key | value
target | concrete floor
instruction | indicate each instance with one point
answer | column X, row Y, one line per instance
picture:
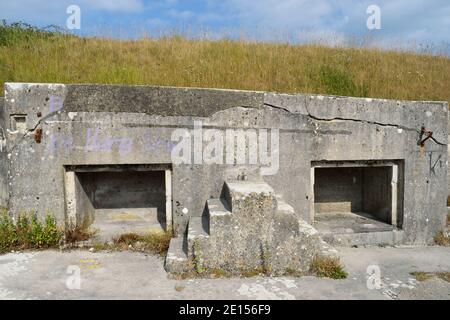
column 111, row 223
column 348, row 222
column 128, row 275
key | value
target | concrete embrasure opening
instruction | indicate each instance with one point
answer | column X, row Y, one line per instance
column 19, row 122
column 120, row 199
column 356, row 197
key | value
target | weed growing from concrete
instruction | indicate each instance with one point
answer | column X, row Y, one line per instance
column 442, row 239
column 154, row 242
column 328, row 267
column 424, row 276
column 421, row 276
column 78, row 234
column 28, row 232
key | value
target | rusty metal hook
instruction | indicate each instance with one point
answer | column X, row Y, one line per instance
column 429, row 135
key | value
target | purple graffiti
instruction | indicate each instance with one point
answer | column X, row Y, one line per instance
column 106, row 144
column 153, row 143
column 59, row 141
column 94, row 142
column 55, row 104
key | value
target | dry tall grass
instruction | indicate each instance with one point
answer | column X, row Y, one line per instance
column 177, row 61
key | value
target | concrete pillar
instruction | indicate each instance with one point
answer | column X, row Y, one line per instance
column 394, row 188
column 70, row 199
column 168, row 181
column 311, row 197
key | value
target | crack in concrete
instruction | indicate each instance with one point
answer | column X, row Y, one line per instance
column 310, row 115
column 28, row 132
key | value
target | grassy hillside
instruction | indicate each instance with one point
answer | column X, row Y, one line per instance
column 31, row 55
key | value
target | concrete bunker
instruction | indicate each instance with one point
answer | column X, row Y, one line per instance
column 119, row 199
column 357, row 196
column 101, row 129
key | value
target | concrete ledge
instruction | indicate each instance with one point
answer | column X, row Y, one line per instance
column 389, row 238
column 176, row 259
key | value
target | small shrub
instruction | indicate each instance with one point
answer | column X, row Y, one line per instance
column 328, row 267
column 442, row 240
column 28, row 232
column 35, row 232
column 157, row 242
column 8, row 235
column 127, row 239
column 77, row 234
column 51, row 235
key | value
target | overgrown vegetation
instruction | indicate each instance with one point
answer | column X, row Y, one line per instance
column 28, row 232
column 155, row 242
column 78, row 234
column 442, row 239
column 328, row 267
column 424, row 276
column 15, row 32
column 28, row 54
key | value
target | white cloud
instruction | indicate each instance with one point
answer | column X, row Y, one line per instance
column 185, row 14
column 402, row 20
column 421, row 21
column 50, row 12
column 116, row 5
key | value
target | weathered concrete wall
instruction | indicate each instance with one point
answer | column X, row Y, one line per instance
column 3, row 157
column 83, row 125
column 448, row 156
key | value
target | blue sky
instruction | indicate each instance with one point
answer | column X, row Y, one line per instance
column 407, row 23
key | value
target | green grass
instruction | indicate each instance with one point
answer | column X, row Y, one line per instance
column 28, row 232
column 31, row 55
column 328, row 267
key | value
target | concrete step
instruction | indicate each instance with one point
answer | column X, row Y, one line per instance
column 381, row 238
column 198, row 230
column 176, row 258
column 235, row 191
column 218, row 215
column 285, row 208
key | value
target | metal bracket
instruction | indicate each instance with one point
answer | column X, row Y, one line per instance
column 424, row 132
